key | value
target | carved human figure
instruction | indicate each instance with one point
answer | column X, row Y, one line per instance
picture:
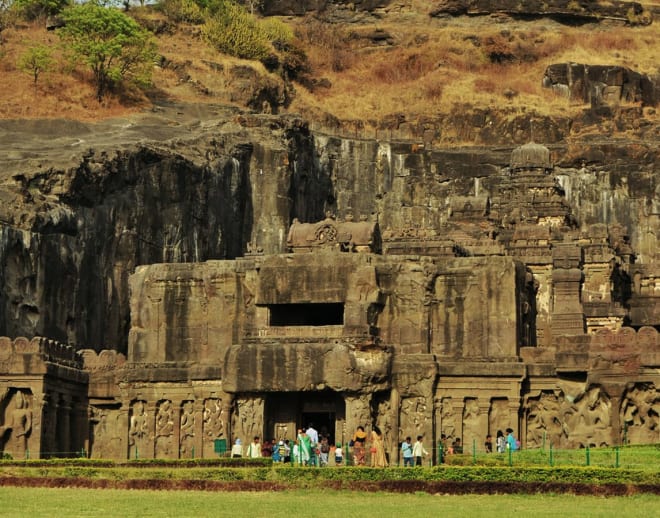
column 164, row 429
column 187, row 437
column 138, row 429
column 384, row 423
column 250, row 417
column 543, row 420
column 214, row 427
column 586, row 422
column 98, row 428
column 19, row 426
column 640, row 410
column 413, row 416
column 448, row 418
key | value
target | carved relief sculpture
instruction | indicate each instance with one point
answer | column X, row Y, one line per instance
column 164, row 430
column 187, row 436
column 138, row 439
column 214, row 427
column 18, row 426
column 640, row 412
column 543, row 424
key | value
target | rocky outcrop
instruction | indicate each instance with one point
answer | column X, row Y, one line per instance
column 88, row 204
column 293, row 8
column 570, row 12
column 76, row 223
column 601, row 85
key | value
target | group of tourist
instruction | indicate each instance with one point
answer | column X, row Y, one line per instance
column 508, row 443
column 311, row 448
column 413, row 453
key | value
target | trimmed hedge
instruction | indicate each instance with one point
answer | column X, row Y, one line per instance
column 313, row 477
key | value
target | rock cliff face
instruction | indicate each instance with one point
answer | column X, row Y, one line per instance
column 79, row 214
column 431, row 290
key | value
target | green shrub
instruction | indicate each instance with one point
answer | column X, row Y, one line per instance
column 36, row 9
column 276, row 30
column 187, row 11
column 234, row 31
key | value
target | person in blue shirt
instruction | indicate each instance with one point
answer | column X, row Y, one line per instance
column 511, row 443
column 407, row 452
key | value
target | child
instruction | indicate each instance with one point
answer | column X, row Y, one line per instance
column 488, row 445
column 339, row 455
column 285, row 451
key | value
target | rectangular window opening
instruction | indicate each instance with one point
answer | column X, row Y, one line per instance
column 321, row 314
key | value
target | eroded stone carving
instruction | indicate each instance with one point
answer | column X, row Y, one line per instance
column 248, row 418
column 187, row 431
column 17, row 427
column 640, row 411
column 587, row 420
column 138, row 433
column 544, row 426
column 214, row 423
column 165, row 429
column 500, row 417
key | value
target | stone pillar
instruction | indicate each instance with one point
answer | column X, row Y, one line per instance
column 227, row 405
column 437, row 427
column 123, row 426
column 514, row 411
column 484, row 412
column 64, row 428
column 457, row 409
column 395, row 440
column 616, row 426
column 177, row 408
column 567, row 312
column 50, row 432
column 81, row 427
column 39, row 425
column 198, row 443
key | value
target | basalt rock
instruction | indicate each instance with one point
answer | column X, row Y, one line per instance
column 249, row 275
column 569, row 12
column 602, row 85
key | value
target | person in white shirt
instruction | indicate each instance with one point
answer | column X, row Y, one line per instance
column 313, row 435
column 254, row 449
column 237, row 449
column 419, row 451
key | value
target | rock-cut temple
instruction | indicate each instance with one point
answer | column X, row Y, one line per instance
column 509, row 316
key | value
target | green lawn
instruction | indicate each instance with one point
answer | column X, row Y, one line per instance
column 38, row 502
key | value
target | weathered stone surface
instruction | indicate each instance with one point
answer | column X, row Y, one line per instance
column 576, row 12
column 510, row 290
column 601, row 84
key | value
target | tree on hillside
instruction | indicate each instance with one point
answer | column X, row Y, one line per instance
column 35, row 60
column 6, row 15
column 110, row 42
column 36, row 9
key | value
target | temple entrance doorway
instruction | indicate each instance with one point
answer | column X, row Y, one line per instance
column 287, row 412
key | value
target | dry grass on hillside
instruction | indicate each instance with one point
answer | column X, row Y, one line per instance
column 425, row 67
column 59, row 92
column 431, row 69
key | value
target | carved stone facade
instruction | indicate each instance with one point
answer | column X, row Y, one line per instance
column 506, row 315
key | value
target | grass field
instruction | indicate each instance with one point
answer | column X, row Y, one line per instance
column 21, row 502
